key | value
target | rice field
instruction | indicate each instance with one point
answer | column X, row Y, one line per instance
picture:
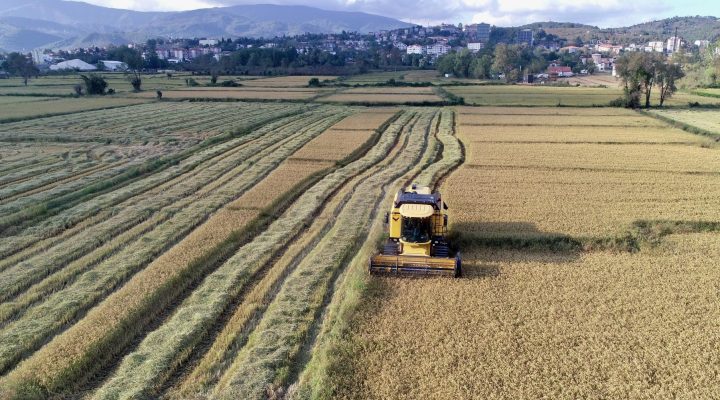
column 218, row 249
column 589, row 261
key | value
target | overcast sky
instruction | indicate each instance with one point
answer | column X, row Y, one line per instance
column 604, row 13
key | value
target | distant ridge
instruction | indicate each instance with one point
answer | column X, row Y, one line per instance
column 689, row 28
column 25, row 25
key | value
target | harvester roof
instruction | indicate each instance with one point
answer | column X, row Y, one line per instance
column 416, row 210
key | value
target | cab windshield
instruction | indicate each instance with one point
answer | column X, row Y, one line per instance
column 416, row 230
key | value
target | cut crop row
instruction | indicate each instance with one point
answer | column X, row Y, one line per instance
column 162, row 350
column 106, row 330
column 43, row 319
column 272, row 350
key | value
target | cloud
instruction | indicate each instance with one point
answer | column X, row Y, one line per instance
column 498, row 12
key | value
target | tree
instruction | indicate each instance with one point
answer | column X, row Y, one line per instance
column 134, row 61
column 481, row 67
column 506, row 61
column 19, row 65
column 94, row 84
column 667, row 75
column 626, row 70
column 314, row 82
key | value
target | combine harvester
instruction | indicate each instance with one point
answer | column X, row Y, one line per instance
column 417, row 243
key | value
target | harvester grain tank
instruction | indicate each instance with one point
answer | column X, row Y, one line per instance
column 417, row 242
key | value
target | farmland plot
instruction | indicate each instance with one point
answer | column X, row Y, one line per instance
column 130, row 271
column 588, row 274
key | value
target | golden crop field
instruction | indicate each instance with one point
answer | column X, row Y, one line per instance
column 588, row 255
column 525, row 324
column 198, row 248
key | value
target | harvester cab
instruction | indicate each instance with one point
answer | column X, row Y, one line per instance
column 417, row 242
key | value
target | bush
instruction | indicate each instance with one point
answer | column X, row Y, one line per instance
column 111, row 91
column 229, row 83
column 136, row 83
column 191, row 82
column 94, row 84
column 159, row 94
column 78, row 90
column 314, row 82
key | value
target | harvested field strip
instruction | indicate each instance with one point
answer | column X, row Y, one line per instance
column 26, row 273
column 238, row 327
column 333, row 145
column 234, row 94
column 133, row 174
column 274, row 345
column 451, row 151
column 151, row 291
column 365, row 120
column 149, row 184
column 319, row 378
column 162, row 349
column 41, row 185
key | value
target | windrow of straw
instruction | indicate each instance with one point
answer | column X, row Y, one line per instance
column 156, row 285
column 148, row 366
column 273, row 347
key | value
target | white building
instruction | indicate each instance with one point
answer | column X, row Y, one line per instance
column 39, row 57
column 75, row 64
column 415, row 49
column 674, row 44
column 656, row 46
column 114, row 65
column 475, row 47
column 438, row 49
column 703, row 44
column 400, row 46
column 209, row 42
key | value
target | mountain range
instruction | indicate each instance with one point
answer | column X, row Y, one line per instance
column 29, row 24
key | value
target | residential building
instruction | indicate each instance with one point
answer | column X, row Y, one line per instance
column 571, row 49
column 483, row 32
column 39, row 57
column 398, row 45
column 525, row 36
column 560, row 71
column 415, row 49
column 179, row 54
column 596, row 57
column 674, row 44
column 209, row 42
column 475, row 47
column 438, row 49
column 657, row 46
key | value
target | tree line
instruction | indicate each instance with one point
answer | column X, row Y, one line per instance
column 641, row 72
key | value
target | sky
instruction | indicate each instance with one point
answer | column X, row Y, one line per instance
column 603, row 13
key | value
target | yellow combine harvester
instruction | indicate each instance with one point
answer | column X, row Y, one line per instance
column 418, row 236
